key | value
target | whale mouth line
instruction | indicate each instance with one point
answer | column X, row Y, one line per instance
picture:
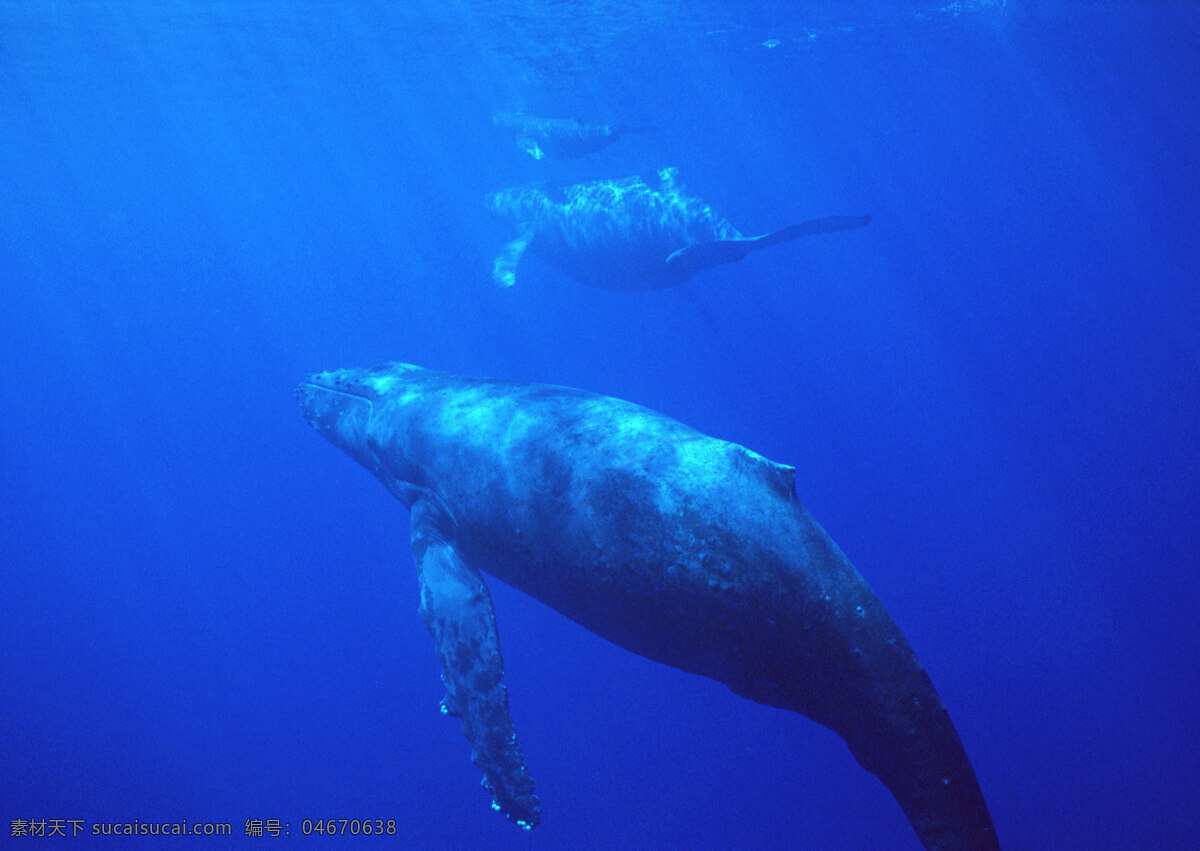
column 308, row 391
column 330, row 388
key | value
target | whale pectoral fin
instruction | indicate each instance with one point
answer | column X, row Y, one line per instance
column 457, row 611
column 691, row 259
column 530, row 147
column 504, row 269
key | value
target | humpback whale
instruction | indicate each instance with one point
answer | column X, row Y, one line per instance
column 680, row 547
column 628, row 235
column 561, row 138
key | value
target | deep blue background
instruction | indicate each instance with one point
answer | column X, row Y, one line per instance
column 991, row 395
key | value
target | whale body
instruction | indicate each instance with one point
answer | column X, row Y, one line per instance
column 680, row 547
column 561, row 138
column 628, row 234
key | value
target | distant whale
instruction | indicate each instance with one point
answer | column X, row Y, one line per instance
column 677, row 546
column 561, row 138
column 628, row 235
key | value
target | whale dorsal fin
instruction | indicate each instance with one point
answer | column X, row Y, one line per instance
column 666, row 179
column 691, row 259
column 779, row 477
column 504, row 269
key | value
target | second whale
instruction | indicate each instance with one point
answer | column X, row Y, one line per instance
column 628, row 235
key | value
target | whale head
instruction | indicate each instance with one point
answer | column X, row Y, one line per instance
column 346, row 405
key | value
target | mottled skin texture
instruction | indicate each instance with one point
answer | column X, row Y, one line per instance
column 561, row 138
column 679, row 547
column 628, row 234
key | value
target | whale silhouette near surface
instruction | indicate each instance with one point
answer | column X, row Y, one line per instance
column 561, row 138
column 628, row 234
column 680, row 547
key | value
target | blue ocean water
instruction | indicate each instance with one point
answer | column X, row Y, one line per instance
column 990, row 395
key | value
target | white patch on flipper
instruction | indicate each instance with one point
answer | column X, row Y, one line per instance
column 504, row 269
column 531, row 147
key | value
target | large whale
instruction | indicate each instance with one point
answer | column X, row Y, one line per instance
column 561, row 138
column 677, row 546
column 627, row 234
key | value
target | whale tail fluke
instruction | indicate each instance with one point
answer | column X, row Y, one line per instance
column 810, row 228
column 705, row 255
